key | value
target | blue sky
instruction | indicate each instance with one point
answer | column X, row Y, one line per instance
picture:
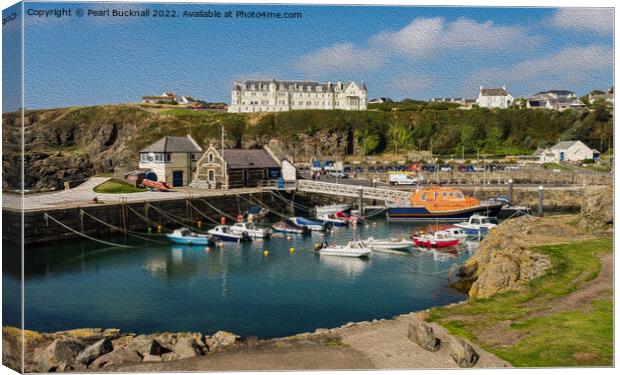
column 399, row 52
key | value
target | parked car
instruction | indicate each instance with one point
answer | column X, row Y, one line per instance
column 347, row 169
column 372, row 169
column 462, row 168
column 336, row 174
column 402, row 179
column 359, row 169
column 381, row 169
column 445, row 168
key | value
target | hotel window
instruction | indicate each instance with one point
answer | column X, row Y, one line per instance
column 211, row 175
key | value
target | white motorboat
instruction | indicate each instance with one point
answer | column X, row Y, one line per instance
column 330, row 209
column 313, row 225
column 458, row 233
column 477, row 226
column 223, row 233
column 377, row 244
column 331, row 219
column 185, row 236
column 354, row 249
column 251, row 229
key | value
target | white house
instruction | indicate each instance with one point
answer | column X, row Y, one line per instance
column 554, row 104
column 279, row 96
column 494, row 98
column 555, row 94
column 173, row 159
column 380, row 100
column 565, row 152
column 166, row 97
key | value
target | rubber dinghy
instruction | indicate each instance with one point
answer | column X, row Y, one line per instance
column 377, row 244
column 354, row 249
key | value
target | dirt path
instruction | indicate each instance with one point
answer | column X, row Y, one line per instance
column 587, row 292
column 378, row 345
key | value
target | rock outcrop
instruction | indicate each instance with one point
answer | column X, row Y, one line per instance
column 462, row 352
column 597, row 210
column 83, row 349
column 422, row 334
column 504, row 260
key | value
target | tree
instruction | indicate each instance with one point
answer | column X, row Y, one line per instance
column 368, row 140
column 400, row 136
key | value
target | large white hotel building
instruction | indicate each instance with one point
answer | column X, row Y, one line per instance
column 279, row 96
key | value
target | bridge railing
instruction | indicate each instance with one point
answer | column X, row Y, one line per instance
column 355, row 191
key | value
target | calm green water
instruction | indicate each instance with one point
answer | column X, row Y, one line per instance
column 164, row 287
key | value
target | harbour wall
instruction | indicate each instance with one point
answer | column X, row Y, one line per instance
column 42, row 229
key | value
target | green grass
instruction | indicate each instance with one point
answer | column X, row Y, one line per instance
column 114, row 186
column 556, row 166
column 181, row 112
column 550, row 340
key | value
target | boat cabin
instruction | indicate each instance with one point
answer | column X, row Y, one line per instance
column 437, row 198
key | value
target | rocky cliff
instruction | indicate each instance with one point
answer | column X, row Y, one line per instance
column 507, row 260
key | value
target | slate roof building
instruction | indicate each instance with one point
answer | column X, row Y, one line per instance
column 279, row 96
column 567, row 151
column 235, row 168
column 173, row 159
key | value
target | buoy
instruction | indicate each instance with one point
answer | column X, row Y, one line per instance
column 199, row 224
column 266, row 252
column 158, row 228
column 223, row 220
column 292, row 249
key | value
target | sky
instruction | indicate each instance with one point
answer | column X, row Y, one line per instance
column 399, row 52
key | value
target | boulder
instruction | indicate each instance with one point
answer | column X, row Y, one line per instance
column 115, row 357
column 147, row 345
column 93, row 351
column 597, row 209
column 463, row 353
column 182, row 345
column 59, row 355
column 221, row 339
column 422, row 334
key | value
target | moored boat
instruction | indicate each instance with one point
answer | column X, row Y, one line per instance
column 256, row 212
column 185, row 236
column 287, row 226
column 313, row 225
column 331, row 219
column 445, row 204
column 251, row 229
column 376, row 244
column 354, row 249
column 477, row 226
column 223, row 233
column 436, row 240
column 330, row 209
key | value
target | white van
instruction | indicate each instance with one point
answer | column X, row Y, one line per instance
column 401, row 179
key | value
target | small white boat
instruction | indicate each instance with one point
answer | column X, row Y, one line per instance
column 251, row 229
column 376, row 244
column 330, row 209
column 331, row 219
column 477, row 226
column 187, row 237
column 223, row 233
column 354, row 249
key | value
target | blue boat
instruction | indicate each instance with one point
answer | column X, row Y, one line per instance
column 186, row 237
column 313, row 225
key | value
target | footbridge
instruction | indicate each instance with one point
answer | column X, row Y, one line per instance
column 341, row 190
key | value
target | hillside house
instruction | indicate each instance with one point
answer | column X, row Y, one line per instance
column 494, row 98
column 236, row 168
column 380, row 100
column 166, row 97
column 555, row 94
column 568, row 151
column 607, row 97
column 172, row 159
column 561, row 104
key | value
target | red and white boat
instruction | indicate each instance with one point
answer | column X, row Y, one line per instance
column 437, row 240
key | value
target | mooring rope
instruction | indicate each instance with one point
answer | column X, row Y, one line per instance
column 146, row 219
column 219, row 211
column 296, row 205
column 126, row 231
column 48, row 216
column 176, row 219
column 202, row 213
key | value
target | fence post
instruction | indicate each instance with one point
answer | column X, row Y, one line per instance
column 541, row 197
column 360, row 201
column 510, row 190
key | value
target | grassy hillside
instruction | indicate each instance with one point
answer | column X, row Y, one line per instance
column 73, row 143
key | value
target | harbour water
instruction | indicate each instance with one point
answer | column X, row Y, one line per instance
column 157, row 287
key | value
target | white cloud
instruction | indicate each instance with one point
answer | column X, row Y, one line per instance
column 595, row 20
column 562, row 70
column 421, row 38
column 340, row 58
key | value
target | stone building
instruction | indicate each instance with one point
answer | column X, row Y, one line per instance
column 173, row 159
column 280, row 96
column 236, row 168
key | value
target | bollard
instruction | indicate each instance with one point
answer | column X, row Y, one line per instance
column 541, row 196
column 510, row 191
column 360, row 202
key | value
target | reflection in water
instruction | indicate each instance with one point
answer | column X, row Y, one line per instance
column 352, row 267
column 235, row 287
